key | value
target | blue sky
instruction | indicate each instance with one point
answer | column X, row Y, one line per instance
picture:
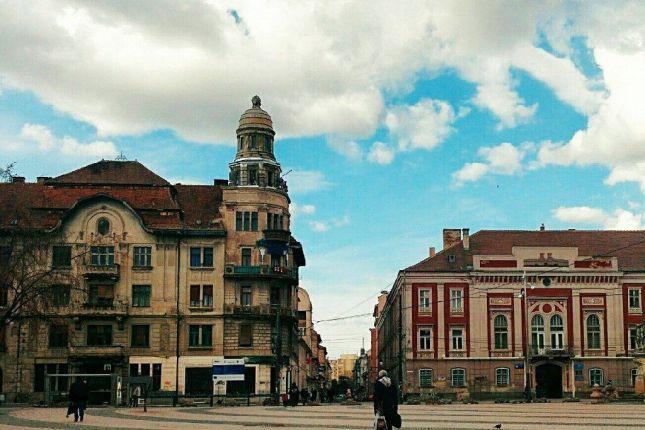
column 502, row 119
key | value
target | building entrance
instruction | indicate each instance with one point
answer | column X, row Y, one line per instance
column 548, row 379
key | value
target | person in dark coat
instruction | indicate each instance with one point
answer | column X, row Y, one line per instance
column 78, row 395
column 386, row 400
column 294, row 394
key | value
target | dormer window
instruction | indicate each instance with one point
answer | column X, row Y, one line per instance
column 103, row 226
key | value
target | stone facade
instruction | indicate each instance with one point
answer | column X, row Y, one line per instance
column 173, row 276
column 500, row 310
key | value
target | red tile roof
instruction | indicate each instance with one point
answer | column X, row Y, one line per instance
column 159, row 204
column 627, row 246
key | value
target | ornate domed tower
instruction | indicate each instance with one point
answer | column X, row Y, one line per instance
column 255, row 163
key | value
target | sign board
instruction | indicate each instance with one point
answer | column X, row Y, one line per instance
column 228, row 369
column 578, row 365
column 519, row 365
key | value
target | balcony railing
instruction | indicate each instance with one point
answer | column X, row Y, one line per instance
column 261, row 271
column 94, row 270
column 96, row 350
column 277, row 235
column 259, row 310
column 104, row 306
column 550, row 351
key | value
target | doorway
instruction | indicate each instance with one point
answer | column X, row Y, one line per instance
column 548, row 380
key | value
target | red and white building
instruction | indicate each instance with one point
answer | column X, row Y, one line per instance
column 467, row 319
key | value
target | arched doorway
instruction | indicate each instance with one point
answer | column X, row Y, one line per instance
column 548, row 380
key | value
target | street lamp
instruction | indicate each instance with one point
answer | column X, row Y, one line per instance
column 527, row 374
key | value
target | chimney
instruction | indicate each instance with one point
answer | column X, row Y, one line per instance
column 542, row 228
column 42, row 179
column 451, row 236
column 431, row 251
column 18, row 179
column 465, row 237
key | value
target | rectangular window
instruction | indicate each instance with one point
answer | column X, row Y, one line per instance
column 142, row 256
column 635, row 298
column 502, row 376
column 195, row 293
column 632, row 337
column 156, row 376
column 457, row 339
column 425, row 339
column 254, row 221
column 457, row 300
column 141, row 296
column 61, row 256
column 207, row 295
column 245, row 338
column 276, row 260
column 200, row 335
column 99, row 335
column 201, row 296
column 59, row 295
column 247, row 221
column 246, row 256
column 140, row 336
column 101, row 295
column 424, row 301
column 102, row 255
column 245, row 297
column 238, row 221
column 59, row 383
column 58, row 336
column 425, row 378
column 269, row 221
column 458, row 377
column 253, row 176
column 274, row 298
column 596, row 376
column 201, row 256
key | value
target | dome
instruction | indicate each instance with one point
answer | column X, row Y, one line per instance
column 255, row 117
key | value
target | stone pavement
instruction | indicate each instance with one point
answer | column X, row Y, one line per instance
column 550, row 416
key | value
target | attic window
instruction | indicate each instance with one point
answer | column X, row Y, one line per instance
column 451, row 258
column 103, row 226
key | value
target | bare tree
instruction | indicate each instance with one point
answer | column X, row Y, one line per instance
column 6, row 173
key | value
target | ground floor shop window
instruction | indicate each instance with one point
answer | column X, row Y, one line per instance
column 199, row 381
column 59, row 383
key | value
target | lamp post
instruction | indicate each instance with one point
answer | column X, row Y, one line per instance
column 527, row 373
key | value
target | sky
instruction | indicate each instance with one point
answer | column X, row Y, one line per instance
column 394, row 120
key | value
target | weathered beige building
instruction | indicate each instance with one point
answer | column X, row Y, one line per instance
column 173, row 276
column 500, row 311
column 312, row 356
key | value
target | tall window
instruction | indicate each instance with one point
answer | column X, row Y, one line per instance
column 102, row 255
column 457, row 339
column 99, row 335
column 59, row 383
column 557, row 332
column 596, row 376
column 200, row 335
column 246, row 256
column 61, row 256
column 141, row 296
column 101, row 295
column 274, row 297
column 593, row 332
column 502, row 376
column 59, row 295
column 424, row 300
column 245, row 337
column 246, row 221
column 457, row 300
column 245, row 296
column 635, row 298
column 632, row 337
column 426, row 378
column 500, row 326
column 537, row 332
column 274, row 221
column 140, row 336
column 458, row 377
column 425, row 339
column 201, row 256
column 201, row 296
column 58, row 336
column 142, row 256
column 632, row 376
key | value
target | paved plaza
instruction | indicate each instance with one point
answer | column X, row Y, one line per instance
column 481, row 416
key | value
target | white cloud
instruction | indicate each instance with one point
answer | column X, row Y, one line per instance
column 318, row 226
column 503, row 159
column 420, row 126
column 380, row 153
column 619, row 219
column 341, row 222
column 345, row 147
column 296, row 210
column 66, row 146
column 306, row 181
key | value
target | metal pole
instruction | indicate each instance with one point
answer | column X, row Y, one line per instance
column 175, row 399
column 527, row 346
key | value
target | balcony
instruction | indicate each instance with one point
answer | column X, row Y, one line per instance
column 261, row 271
column 277, row 235
column 104, row 306
column 260, row 310
column 96, row 350
column 110, row 272
column 547, row 352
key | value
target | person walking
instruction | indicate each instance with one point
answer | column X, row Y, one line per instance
column 78, row 395
column 386, row 400
column 304, row 395
column 136, row 394
column 294, row 394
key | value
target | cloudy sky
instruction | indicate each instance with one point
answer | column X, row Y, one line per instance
column 397, row 120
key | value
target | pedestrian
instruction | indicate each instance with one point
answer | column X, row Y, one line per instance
column 304, row 395
column 314, row 395
column 78, row 395
column 294, row 394
column 136, row 394
column 386, row 400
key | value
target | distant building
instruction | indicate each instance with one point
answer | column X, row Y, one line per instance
column 374, row 344
column 312, row 366
column 343, row 366
column 465, row 321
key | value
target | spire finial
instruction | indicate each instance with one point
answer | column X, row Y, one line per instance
column 256, row 102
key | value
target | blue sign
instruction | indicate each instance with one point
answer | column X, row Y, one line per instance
column 228, row 369
column 519, row 365
column 578, row 366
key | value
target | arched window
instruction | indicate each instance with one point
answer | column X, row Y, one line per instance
column 557, row 332
column 537, row 332
column 500, row 326
column 593, row 332
column 103, row 226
